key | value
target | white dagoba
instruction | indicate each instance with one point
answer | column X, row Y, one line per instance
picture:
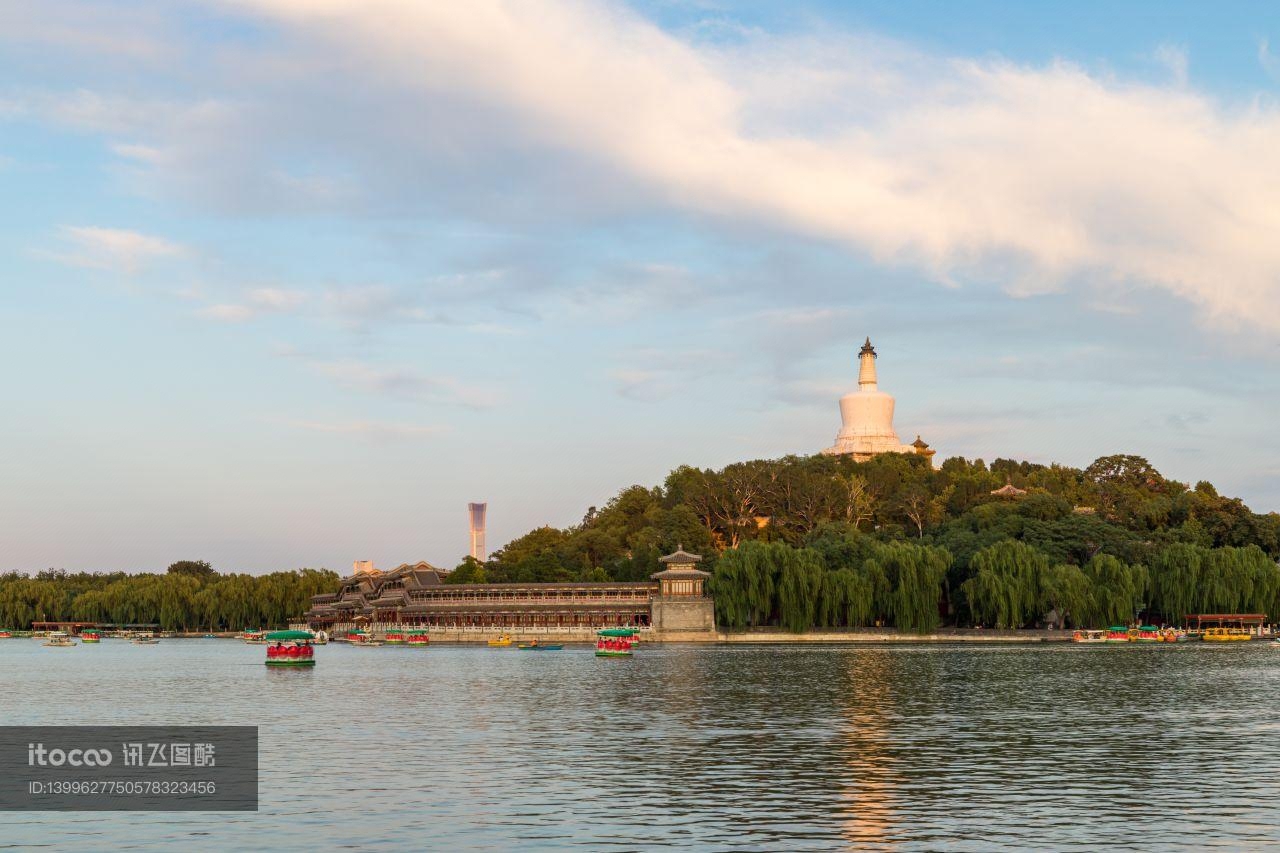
column 866, row 418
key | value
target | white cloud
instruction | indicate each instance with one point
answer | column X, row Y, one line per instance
column 982, row 172
column 1268, row 60
column 125, row 30
column 276, row 299
column 257, row 302
column 645, row 386
column 1174, row 58
column 650, row 374
column 406, row 383
column 360, row 306
column 148, row 154
column 1037, row 178
column 113, row 248
column 227, row 312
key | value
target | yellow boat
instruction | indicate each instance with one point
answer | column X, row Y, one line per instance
column 1226, row 635
column 504, row 640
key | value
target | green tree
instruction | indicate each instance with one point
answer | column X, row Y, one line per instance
column 195, row 568
column 470, row 570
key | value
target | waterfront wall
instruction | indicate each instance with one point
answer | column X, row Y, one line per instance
column 862, row 636
column 866, row 636
column 683, row 614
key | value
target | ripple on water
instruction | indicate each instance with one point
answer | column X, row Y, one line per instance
column 759, row 748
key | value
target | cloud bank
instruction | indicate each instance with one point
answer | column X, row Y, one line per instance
column 980, row 173
column 1035, row 178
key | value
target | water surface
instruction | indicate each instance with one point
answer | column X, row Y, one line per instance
column 708, row 747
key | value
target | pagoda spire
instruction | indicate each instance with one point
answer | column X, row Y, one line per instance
column 867, row 367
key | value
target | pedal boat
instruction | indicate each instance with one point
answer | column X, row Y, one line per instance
column 290, row 649
column 615, row 643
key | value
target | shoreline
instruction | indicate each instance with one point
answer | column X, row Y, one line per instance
column 953, row 636
column 863, row 637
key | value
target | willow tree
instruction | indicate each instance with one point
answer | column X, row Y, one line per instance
column 1266, row 581
column 1238, row 580
column 915, row 574
column 847, row 599
column 1175, row 580
column 1067, row 589
column 1006, row 588
column 799, row 588
column 745, row 582
column 1119, row 589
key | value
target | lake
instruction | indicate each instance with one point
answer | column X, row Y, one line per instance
column 698, row 746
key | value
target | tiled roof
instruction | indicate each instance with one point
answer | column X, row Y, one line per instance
column 681, row 557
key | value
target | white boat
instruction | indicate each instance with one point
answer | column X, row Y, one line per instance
column 145, row 640
column 60, row 640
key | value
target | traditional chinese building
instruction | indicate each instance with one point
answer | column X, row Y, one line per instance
column 1009, row 490
column 681, row 603
column 674, row 599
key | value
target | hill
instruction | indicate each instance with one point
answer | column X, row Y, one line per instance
column 825, row 541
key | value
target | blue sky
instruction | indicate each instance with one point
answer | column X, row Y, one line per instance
column 289, row 283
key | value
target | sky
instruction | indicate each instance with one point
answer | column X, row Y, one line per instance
column 288, row 283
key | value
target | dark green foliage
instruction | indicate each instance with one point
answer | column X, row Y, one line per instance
column 1006, row 590
column 1119, row 590
column 821, row 541
column 824, row 541
column 846, row 584
column 194, row 568
column 177, row 600
column 470, row 570
column 915, row 575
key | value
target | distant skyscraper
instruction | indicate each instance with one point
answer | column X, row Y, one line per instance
column 476, row 511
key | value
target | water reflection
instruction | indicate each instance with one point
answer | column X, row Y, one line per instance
column 869, row 774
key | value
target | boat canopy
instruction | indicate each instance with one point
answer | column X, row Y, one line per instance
column 616, row 632
column 1148, row 628
column 1118, row 628
column 416, row 632
column 290, row 635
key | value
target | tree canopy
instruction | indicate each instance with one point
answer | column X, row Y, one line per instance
column 822, row 541
column 179, row 600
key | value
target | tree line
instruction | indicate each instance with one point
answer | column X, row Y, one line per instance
column 826, row 541
column 818, row 541
column 190, row 596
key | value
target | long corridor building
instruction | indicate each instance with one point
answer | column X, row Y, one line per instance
column 416, row 595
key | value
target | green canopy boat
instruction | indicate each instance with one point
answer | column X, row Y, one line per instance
column 615, row 643
column 290, row 649
column 291, row 635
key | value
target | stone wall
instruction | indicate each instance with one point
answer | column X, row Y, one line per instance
column 682, row 614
